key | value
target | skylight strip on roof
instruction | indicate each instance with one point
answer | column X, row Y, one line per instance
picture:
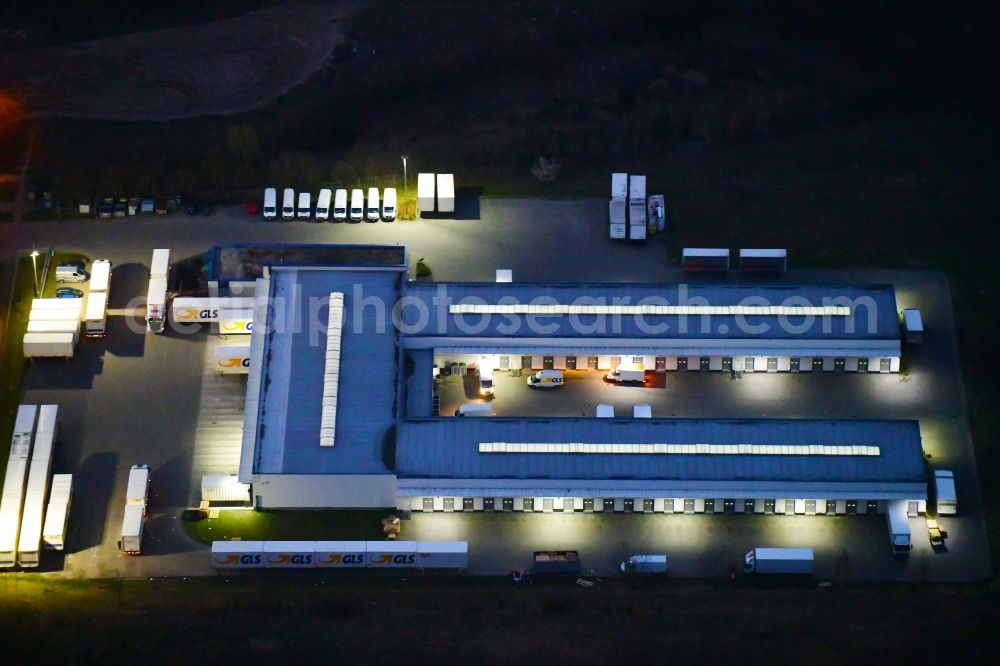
column 725, row 310
column 682, row 449
column 331, row 372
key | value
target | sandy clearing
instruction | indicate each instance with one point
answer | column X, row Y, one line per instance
column 215, row 68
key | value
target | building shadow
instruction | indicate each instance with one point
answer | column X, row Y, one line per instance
column 93, row 485
column 74, row 373
column 124, row 337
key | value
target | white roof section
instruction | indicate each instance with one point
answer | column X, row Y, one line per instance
column 724, row 310
column 331, row 374
column 65, row 304
column 97, row 305
column 768, row 253
column 680, row 449
column 505, row 275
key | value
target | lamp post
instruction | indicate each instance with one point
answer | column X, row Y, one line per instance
column 404, row 178
column 34, row 270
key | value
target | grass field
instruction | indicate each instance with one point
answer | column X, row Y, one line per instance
column 447, row 620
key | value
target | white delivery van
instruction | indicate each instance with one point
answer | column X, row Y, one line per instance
column 357, row 205
column 486, row 380
column 323, row 204
column 389, row 204
column 475, row 409
column 546, row 379
column 71, row 273
column 288, row 204
column 373, row 210
column 340, row 206
column 605, row 411
column 305, row 206
column 270, row 203
column 644, row 564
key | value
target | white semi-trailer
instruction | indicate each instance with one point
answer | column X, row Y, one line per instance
column 49, row 345
column 13, row 484
column 201, row 310
column 446, row 193
column 618, row 227
column 100, row 276
column 637, row 220
column 340, row 554
column 29, row 541
column 232, row 359
column 899, row 527
column 54, row 325
column 156, row 295
column 779, row 561
column 96, row 315
column 134, row 519
column 57, row 512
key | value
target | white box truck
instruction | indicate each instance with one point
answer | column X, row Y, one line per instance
column 57, row 512
column 14, row 483
column 49, row 345
column 29, row 541
column 425, row 192
column 899, row 527
column 627, row 372
column 616, row 219
column 947, row 497
column 156, row 294
column 96, row 315
column 446, row 193
column 779, row 561
column 133, row 521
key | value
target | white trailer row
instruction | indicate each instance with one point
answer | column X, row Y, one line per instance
column 14, row 483
column 29, row 543
column 340, row 554
column 53, row 328
column 233, row 313
column 156, row 294
column 628, row 195
column 439, row 187
column 96, row 312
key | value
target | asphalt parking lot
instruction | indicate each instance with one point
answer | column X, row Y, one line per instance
column 140, row 398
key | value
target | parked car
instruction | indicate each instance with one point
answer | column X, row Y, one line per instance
column 106, row 208
column 68, row 292
column 121, row 207
column 252, row 208
column 147, row 206
column 162, row 206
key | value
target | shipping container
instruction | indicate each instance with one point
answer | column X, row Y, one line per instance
column 446, row 193
column 15, row 479
column 237, row 554
column 100, row 276
column 57, row 512
column 763, row 260
column 425, row 192
column 33, row 512
column 340, row 554
column 54, row 326
column 391, row 554
column 49, row 345
column 442, row 554
column 705, row 259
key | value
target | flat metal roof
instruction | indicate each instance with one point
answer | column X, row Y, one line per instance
column 873, row 312
column 294, row 353
column 246, row 261
column 449, row 448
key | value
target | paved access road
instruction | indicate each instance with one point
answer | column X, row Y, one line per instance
column 139, row 398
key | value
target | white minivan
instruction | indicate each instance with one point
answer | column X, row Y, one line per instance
column 389, row 204
column 340, row 206
column 546, row 379
column 323, row 205
column 373, row 211
column 71, row 272
column 305, row 206
column 288, row 204
column 270, row 203
column 357, row 205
